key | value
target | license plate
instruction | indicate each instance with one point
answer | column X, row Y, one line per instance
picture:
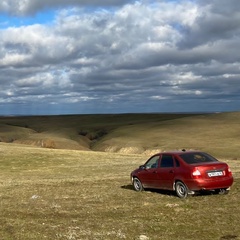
column 215, row 174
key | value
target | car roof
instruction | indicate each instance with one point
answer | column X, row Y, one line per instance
column 178, row 152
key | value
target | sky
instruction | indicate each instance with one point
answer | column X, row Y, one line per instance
column 119, row 56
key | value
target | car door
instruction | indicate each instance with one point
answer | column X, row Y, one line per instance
column 148, row 175
column 166, row 172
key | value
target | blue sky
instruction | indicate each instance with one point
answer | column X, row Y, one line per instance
column 45, row 17
column 112, row 56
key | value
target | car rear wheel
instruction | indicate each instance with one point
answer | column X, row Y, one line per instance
column 137, row 185
column 181, row 189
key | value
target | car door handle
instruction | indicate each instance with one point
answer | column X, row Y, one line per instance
column 155, row 172
column 171, row 171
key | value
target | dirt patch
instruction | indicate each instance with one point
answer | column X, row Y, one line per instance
column 54, row 143
column 229, row 237
column 150, row 152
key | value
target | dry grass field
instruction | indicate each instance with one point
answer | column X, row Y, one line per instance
column 52, row 193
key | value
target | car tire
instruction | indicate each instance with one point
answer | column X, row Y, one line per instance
column 181, row 189
column 137, row 185
column 223, row 191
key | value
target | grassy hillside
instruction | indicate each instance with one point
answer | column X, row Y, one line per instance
column 217, row 134
column 70, row 195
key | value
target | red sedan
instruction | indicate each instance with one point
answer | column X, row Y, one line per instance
column 185, row 172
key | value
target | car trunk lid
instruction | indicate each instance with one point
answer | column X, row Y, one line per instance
column 211, row 170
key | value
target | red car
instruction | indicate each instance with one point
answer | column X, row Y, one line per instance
column 185, row 172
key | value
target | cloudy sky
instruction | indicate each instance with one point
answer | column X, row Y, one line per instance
column 119, row 56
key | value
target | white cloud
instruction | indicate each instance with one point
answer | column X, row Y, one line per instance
column 29, row 7
column 139, row 51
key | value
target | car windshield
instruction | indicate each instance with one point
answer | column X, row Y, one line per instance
column 198, row 157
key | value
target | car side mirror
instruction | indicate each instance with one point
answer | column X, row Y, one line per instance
column 142, row 167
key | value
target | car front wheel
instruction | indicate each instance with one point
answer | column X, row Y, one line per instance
column 137, row 185
column 181, row 189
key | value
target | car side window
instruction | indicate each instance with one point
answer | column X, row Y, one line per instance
column 167, row 161
column 152, row 163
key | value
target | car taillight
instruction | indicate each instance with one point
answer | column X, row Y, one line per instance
column 196, row 173
column 229, row 171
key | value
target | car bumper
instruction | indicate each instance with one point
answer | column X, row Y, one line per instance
column 209, row 184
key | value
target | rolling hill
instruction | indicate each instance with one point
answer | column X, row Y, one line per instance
column 217, row 133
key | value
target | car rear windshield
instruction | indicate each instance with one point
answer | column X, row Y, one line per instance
column 192, row 158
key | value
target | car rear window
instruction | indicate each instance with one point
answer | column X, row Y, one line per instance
column 192, row 158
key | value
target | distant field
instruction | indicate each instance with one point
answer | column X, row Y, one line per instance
column 216, row 133
column 59, row 194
